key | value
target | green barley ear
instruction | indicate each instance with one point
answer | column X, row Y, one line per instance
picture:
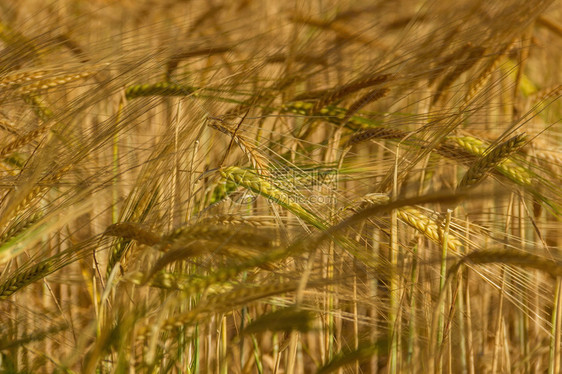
column 333, row 114
column 19, row 226
column 258, row 184
column 157, row 89
column 477, row 172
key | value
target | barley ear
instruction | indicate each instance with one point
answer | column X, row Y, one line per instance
column 283, row 320
column 25, row 277
column 261, row 186
column 509, row 257
column 477, row 172
column 157, row 89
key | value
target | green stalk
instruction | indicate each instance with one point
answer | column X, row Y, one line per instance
column 259, row 365
column 443, row 275
column 194, row 367
column 461, row 313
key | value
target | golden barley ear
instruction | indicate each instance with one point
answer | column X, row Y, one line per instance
column 375, row 133
column 415, row 218
column 368, row 98
column 509, row 257
column 7, row 342
column 247, row 294
column 480, row 81
column 240, row 235
column 33, row 272
column 135, row 231
column 352, row 356
column 25, row 277
column 258, row 160
column 190, row 250
column 15, row 80
column 282, row 320
column 428, row 227
column 49, row 82
column 178, row 57
column 25, row 139
column 477, row 172
column 338, row 93
column 474, row 55
column 471, row 147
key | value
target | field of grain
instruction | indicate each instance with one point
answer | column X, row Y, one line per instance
column 262, row 186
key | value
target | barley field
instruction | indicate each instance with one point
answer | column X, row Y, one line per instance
column 262, row 186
